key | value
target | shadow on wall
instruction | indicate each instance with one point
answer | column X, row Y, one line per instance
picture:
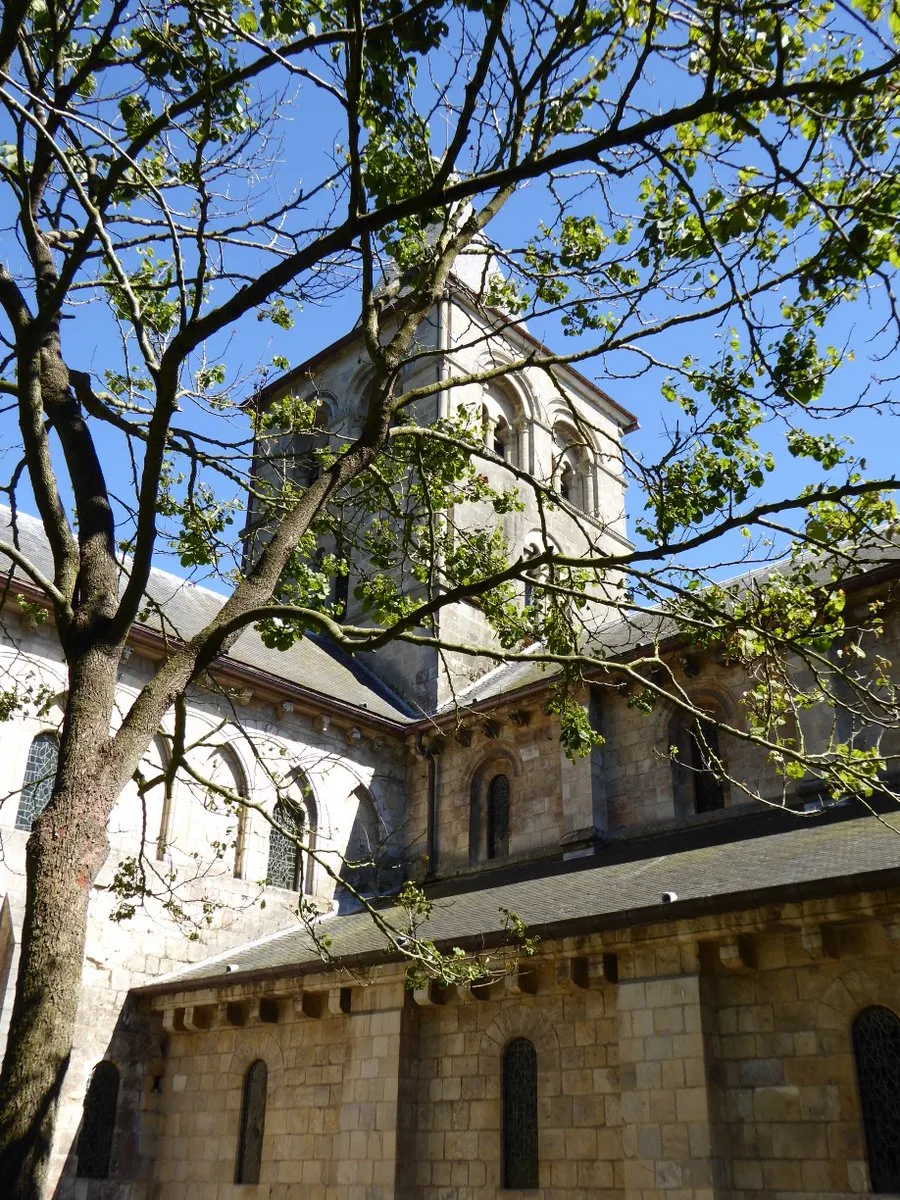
column 373, row 861
column 105, row 1157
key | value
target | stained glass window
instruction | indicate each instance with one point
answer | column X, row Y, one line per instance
column 253, row 1123
column 285, row 858
column 40, row 772
column 95, row 1140
column 876, row 1045
column 520, row 1128
column 498, row 817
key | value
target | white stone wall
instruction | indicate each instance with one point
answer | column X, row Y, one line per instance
column 249, row 746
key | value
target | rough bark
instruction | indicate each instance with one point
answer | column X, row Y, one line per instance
column 67, row 847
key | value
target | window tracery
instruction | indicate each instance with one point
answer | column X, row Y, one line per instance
column 94, row 1147
column 253, row 1123
column 285, row 867
column 40, row 774
column 520, row 1117
column 876, row 1048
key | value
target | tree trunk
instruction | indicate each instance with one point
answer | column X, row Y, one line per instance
column 67, row 847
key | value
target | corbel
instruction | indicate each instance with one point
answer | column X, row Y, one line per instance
column 737, row 953
column 820, row 941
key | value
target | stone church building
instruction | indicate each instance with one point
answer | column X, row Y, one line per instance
column 711, row 1012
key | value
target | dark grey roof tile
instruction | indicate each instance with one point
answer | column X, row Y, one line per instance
column 735, row 874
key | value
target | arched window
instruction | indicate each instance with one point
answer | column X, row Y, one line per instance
column 95, row 1140
column 705, row 764
column 285, row 868
column 489, row 810
column 876, row 1047
column 572, row 469
column 37, row 786
column 499, row 415
column 498, row 817
column 698, row 766
column 520, row 1125
column 253, row 1123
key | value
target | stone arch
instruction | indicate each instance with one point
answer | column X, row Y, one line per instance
column 491, row 752
column 511, row 399
column 238, row 783
column 699, row 771
column 196, row 819
column 517, row 1020
column 574, row 458
column 132, row 820
column 251, row 1045
column 851, row 992
column 492, row 802
column 706, row 697
column 514, row 383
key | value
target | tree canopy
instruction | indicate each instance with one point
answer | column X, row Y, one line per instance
column 184, row 184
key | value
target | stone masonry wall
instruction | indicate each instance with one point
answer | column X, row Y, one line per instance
column 696, row 1060
column 120, row 955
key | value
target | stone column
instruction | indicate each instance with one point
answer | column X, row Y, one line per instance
column 667, row 1105
column 365, row 1149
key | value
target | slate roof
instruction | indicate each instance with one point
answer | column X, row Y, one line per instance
column 814, row 858
column 184, row 608
column 641, row 629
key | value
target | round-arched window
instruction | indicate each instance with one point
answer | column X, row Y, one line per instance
column 876, row 1048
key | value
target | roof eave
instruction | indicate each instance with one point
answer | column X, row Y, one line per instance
column 688, row 909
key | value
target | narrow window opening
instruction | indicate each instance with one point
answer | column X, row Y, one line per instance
column 503, row 439
column 253, row 1122
column 498, row 817
column 876, row 1048
column 520, row 1126
column 706, row 761
column 94, row 1147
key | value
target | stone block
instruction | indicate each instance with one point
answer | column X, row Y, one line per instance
column 761, row 1073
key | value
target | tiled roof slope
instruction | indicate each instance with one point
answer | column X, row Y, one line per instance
column 640, row 629
column 185, row 608
column 836, row 856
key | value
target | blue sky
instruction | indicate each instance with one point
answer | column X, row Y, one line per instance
column 312, row 131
